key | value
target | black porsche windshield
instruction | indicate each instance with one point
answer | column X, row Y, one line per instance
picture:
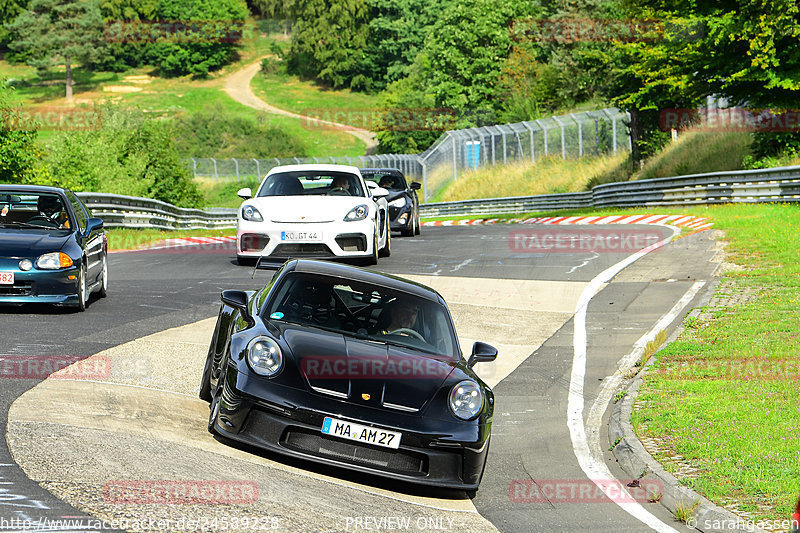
column 388, row 180
column 32, row 210
column 364, row 311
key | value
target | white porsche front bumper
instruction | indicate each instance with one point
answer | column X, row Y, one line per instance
column 289, row 240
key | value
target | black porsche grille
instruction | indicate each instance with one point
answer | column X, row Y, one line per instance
column 302, row 250
column 20, row 288
column 396, row 461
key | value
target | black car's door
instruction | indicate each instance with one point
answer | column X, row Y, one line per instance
column 92, row 243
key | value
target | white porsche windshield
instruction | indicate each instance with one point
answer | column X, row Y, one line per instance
column 311, row 182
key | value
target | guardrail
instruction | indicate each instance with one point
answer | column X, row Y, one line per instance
column 118, row 211
column 742, row 186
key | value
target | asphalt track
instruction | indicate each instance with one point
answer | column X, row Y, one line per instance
column 532, row 471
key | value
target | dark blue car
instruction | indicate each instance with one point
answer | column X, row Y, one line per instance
column 51, row 251
column 402, row 198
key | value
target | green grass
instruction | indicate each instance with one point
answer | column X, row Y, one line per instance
column 307, row 98
column 547, row 176
column 696, row 152
column 129, row 239
column 223, row 193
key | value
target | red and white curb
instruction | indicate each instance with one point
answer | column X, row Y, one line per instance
column 183, row 242
column 687, row 221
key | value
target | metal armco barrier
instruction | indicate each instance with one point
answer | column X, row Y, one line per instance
column 742, row 186
column 118, row 211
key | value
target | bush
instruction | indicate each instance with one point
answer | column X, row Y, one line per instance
column 19, row 156
column 206, row 134
column 129, row 154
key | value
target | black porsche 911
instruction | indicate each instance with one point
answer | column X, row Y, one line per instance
column 402, row 198
column 51, row 251
column 352, row 368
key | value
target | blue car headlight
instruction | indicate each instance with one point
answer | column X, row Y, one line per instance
column 54, row 261
column 264, row 356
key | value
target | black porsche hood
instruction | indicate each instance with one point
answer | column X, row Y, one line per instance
column 30, row 243
column 366, row 372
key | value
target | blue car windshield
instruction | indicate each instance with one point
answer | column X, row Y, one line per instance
column 370, row 312
column 32, row 210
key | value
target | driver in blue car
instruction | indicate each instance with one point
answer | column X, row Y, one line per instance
column 52, row 209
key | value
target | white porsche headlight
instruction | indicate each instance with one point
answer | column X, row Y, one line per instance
column 359, row 212
column 398, row 202
column 264, row 356
column 466, row 400
column 251, row 214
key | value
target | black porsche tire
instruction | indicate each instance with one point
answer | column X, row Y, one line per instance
column 417, row 225
column 408, row 232
column 386, row 251
column 205, row 382
column 104, row 278
column 213, row 414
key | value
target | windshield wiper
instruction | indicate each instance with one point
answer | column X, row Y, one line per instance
column 26, row 225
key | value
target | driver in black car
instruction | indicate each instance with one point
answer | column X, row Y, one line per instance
column 402, row 315
column 52, row 209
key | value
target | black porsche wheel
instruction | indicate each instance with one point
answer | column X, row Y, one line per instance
column 417, row 225
column 205, row 381
column 213, row 415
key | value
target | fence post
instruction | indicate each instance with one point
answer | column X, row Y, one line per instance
column 580, row 134
column 544, row 130
column 216, row 174
column 236, row 162
column 613, row 129
column 563, row 144
column 505, row 146
column 194, row 164
column 455, row 149
column 530, row 129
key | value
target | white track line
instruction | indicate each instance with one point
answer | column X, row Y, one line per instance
column 594, row 469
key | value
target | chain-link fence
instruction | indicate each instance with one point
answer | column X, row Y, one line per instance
column 566, row 136
column 238, row 169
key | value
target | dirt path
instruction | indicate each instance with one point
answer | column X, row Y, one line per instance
column 237, row 85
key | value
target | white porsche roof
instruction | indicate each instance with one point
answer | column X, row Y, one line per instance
column 317, row 167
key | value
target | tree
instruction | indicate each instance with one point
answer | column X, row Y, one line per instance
column 9, row 9
column 56, row 32
column 19, row 156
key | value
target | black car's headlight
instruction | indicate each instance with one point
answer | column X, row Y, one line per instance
column 359, row 212
column 54, row 261
column 251, row 214
column 466, row 400
column 264, row 356
column 399, row 202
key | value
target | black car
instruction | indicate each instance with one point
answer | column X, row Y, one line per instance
column 403, row 201
column 352, row 368
column 51, row 251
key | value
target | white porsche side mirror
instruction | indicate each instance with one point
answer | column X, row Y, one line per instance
column 245, row 193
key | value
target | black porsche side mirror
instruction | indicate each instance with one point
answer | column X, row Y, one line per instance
column 94, row 224
column 238, row 300
column 482, row 353
column 416, row 185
